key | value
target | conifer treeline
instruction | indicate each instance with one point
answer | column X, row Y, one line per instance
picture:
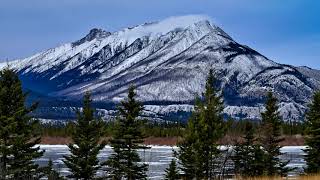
column 149, row 128
column 234, row 128
column 199, row 156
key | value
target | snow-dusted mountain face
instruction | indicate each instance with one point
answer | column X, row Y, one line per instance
column 168, row 62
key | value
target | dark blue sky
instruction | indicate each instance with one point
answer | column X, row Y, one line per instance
column 286, row 31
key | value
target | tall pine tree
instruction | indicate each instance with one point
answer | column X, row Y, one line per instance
column 248, row 155
column 188, row 151
column 83, row 162
column 127, row 139
column 198, row 151
column 172, row 171
column 271, row 132
column 18, row 131
column 313, row 136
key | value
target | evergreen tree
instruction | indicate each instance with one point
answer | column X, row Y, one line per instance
column 271, row 126
column 313, row 136
column 172, row 171
column 127, row 138
column 188, row 151
column 248, row 155
column 198, row 151
column 18, row 131
column 83, row 162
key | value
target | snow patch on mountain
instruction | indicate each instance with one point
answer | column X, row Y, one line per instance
column 157, row 29
column 163, row 109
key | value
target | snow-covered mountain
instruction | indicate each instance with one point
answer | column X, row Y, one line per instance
column 168, row 62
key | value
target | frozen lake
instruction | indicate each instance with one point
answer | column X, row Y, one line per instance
column 157, row 157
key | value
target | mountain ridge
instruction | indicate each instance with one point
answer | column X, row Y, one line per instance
column 168, row 62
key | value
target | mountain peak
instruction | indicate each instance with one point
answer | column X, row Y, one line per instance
column 156, row 29
column 93, row 33
column 177, row 22
column 96, row 32
column 152, row 29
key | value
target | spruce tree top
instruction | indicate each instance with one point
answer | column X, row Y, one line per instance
column 11, row 96
column 271, row 115
column 131, row 108
column 128, row 125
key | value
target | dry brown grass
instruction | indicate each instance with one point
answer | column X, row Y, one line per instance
column 55, row 140
column 168, row 141
column 260, row 178
column 294, row 140
column 315, row 177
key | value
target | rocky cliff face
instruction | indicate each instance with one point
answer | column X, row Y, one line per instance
column 168, row 62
